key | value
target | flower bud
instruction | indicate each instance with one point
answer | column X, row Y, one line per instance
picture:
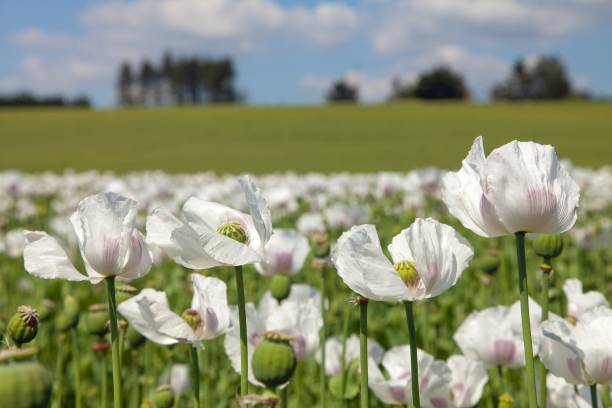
column 505, row 401
column 96, row 320
column 320, row 244
column 234, row 230
column 192, row 317
column 280, row 286
column 24, row 385
column 46, row 310
column 274, row 360
column 124, row 292
column 162, row 397
column 69, row 316
column 489, row 263
column 23, row 326
column 548, row 245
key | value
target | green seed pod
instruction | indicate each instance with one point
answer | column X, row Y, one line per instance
column 124, row 292
column 72, row 309
column 25, row 385
column 280, row 286
column 548, row 245
column 46, row 310
column 234, row 230
column 192, row 317
column 351, row 389
column 97, row 319
column 505, row 401
column 23, row 326
column 162, row 397
column 320, row 244
column 134, row 339
column 274, row 360
column 489, row 263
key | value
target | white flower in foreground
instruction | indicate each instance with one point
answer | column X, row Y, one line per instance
column 333, row 353
column 562, row 394
column 581, row 354
column 110, row 244
column 434, row 378
column 519, row 187
column 149, row 313
column 212, row 234
column 488, row 336
column 578, row 302
column 299, row 318
column 284, row 253
column 428, row 258
column 468, row 378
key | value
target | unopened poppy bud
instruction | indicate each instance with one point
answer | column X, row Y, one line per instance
column 24, row 385
column 489, row 263
column 124, row 292
column 505, row 401
column 162, row 397
column 72, row 309
column 96, row 320
column 46, row 310
column 280, row 286
column 548, row 245
column 23, row 325
column 234, row 230
column 192, row 317
column 320, row 244
column 274, row 360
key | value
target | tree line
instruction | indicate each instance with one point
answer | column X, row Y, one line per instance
column 177, row 81
column 540, row 79
column 24, row 99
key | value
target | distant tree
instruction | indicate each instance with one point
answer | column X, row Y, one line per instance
column 125, row 84
column 401, row 90
column 23, row 99
column 147, row 82
column 544, row 79
column 440, row 83
column 342, row 91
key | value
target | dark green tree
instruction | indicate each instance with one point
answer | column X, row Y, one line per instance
column 440, row 83
column 342, row 91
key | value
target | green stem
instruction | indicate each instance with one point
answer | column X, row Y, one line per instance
column 323, row 340
column 284, row 402
column 546, row 271
column 205, row 387
column 605, row 396
column 76, row 361
column 363, row 350
column 414, row 362
column 500, row 378
column 345, row 330
column 112, row 310
column 526, row 325
column 594, row 395
column 59, row 367
column 104, row 380
column 195, row 376
column 244, row 351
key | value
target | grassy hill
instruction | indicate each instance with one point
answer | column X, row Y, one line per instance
column 267, row 139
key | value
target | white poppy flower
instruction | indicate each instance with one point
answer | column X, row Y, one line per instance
column 149, row 313
column 578, row 302
column 428, row 258
column 285, row 253
column 581, row 354
column 434, row 379
column 212, row 234
column 310, row 223
column 488, row 336
column 519, row 187
column 468, row 378
column 178, row 378
column 562, row 394
column 110, row 244
column 333, row 353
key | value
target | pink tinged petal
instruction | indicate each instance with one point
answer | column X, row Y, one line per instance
column 504, row 351
column 399, row 392
column 439, row 402
column 139, row 258
column 44, row 258
column 210, row 300
column 299, row 347
column 283, row 262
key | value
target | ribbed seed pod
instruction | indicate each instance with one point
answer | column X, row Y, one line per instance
column 97, row 319
column 192, row 317
column 548, row 245
column 280, row 286
column 320, row 244
column 234, row 230
column 25, row 385
column 274, row 360
column 489, row 263
column 23, row 326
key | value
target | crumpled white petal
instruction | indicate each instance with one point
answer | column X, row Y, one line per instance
column 210, row 301
column 258, row 208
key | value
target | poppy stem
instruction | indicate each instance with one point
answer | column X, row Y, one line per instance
column 244, row 351
column 284, row 402
column 112, row 310
column 526, row 325
column 414, row 362
column 345, row 330
column 76, row 361
column 546, row 271
column 104, row 381
column 363, row 350
column 594, row 395
column 195, row 376
column 323, row 339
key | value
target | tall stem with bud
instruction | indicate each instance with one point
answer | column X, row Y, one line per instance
column 363, row 350
column 112, row 309
column 244, row 351
column 414, row 363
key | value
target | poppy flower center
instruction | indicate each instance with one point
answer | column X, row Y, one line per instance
column 408, row 273
column 192, row 317
column 233, row 230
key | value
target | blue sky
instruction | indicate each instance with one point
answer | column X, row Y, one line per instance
column 289, row 51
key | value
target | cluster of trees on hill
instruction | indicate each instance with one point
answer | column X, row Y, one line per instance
column 29, row 99
column 543, row 78
column 177, row 81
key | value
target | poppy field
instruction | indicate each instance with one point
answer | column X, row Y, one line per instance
column 477, row 275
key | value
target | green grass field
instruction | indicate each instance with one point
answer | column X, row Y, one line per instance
column 265, row 139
